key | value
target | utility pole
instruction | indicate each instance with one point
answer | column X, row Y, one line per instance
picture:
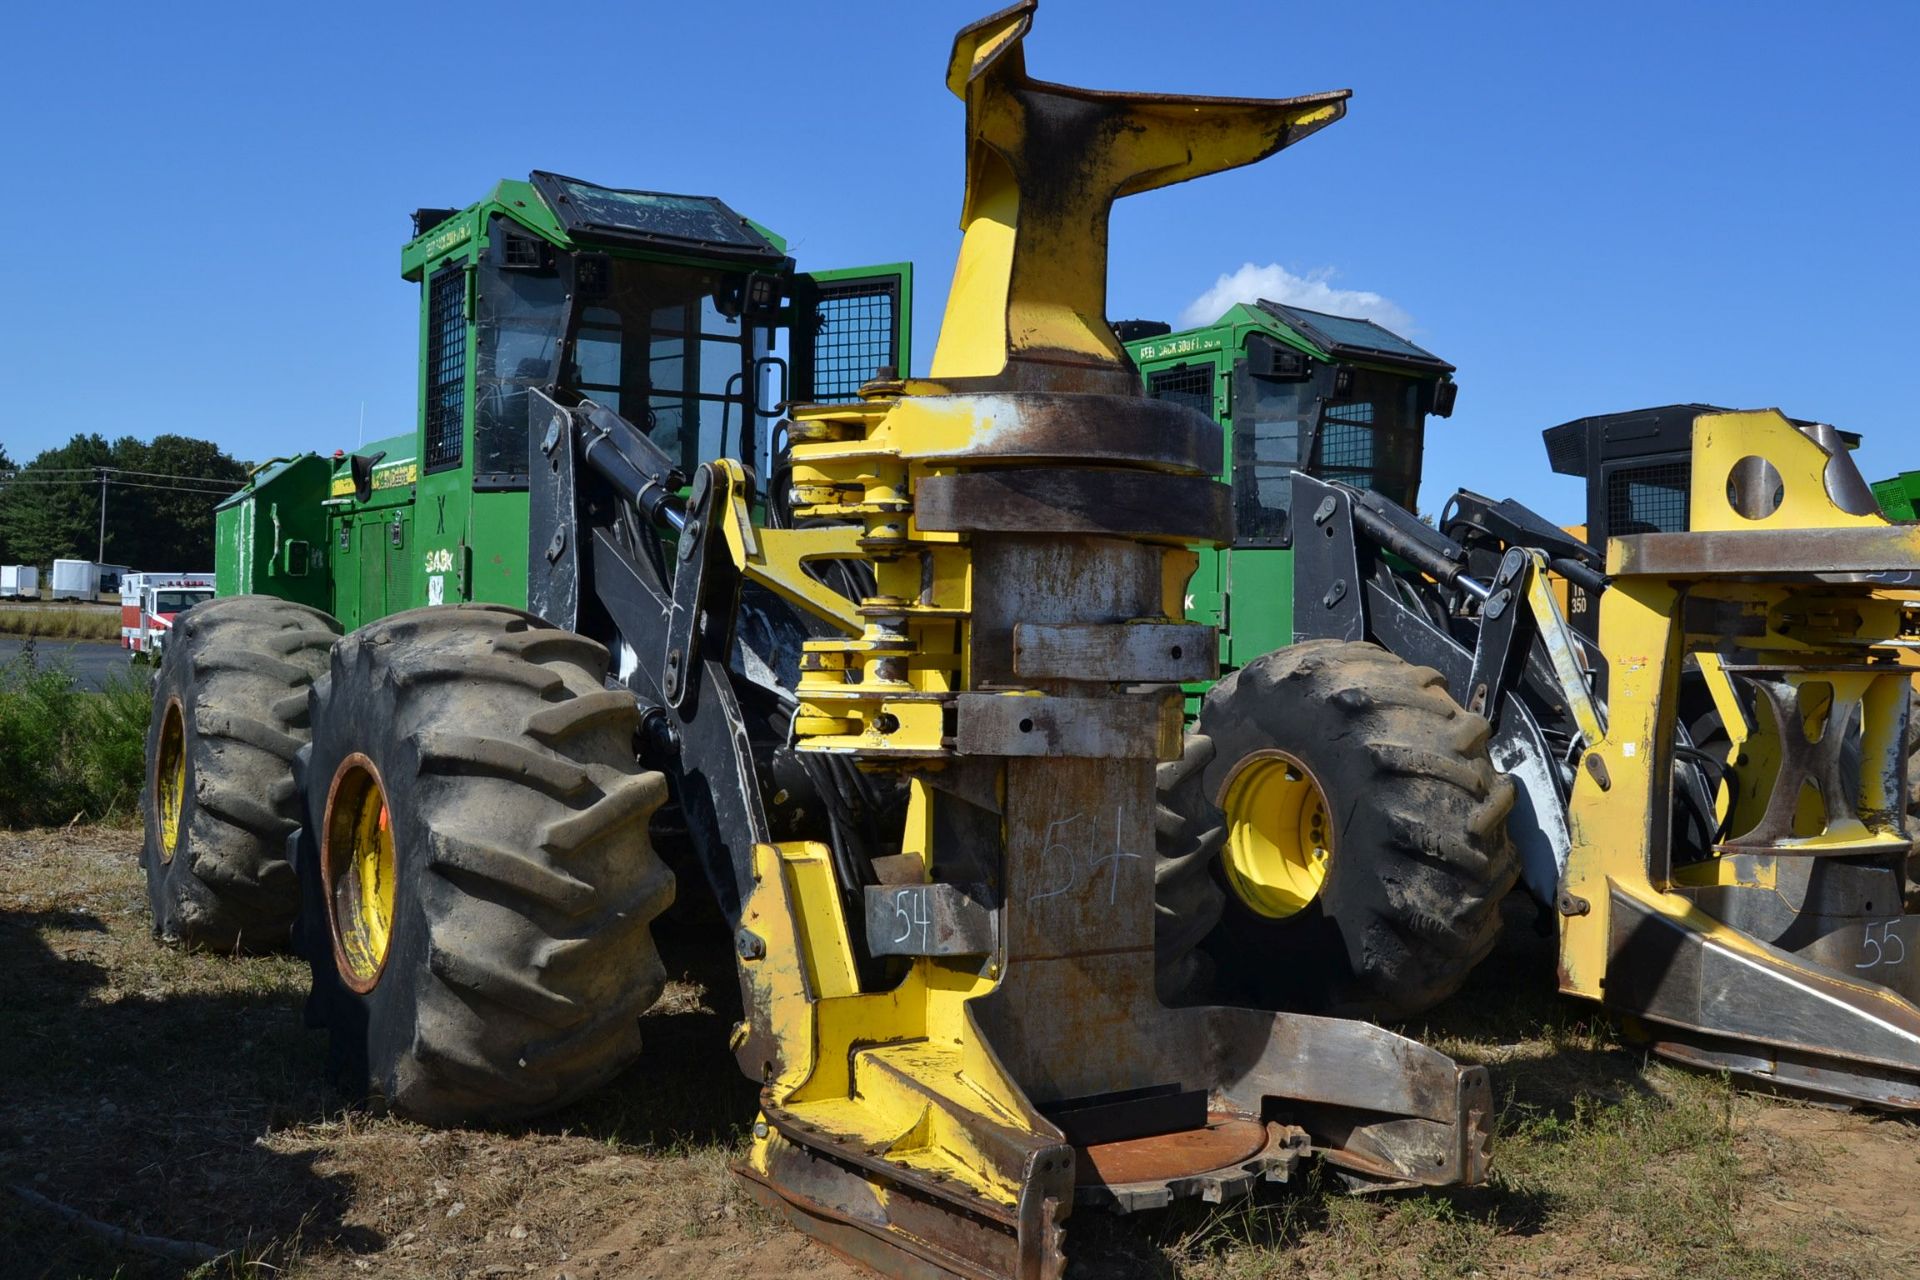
column 101, row 555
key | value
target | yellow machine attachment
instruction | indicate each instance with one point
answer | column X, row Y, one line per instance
column 1782, row 956
column 947, row 1075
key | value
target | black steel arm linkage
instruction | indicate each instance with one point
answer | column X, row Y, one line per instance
column 717, row 786
column 580, row 459
column 1338, row 548
column 678, row 623
column 1340, row 532
column 638, row 469
column 1507, row 630
column 1395, row 529
column 1516, row 525
column 705, row 576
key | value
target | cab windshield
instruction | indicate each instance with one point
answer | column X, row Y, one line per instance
column 658, row 348
column 176, row 601
column 662, row 345
column 1367, row 436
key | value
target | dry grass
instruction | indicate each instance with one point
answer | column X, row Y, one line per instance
column 62, row 622
column 179, row 1095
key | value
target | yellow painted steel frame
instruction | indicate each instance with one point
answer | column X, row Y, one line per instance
column 1544, row 596
column 926, row 1080
column 1030, row 287
column 777, row 558
column 1727, row 609
column 902, row 1074
column 882, row 690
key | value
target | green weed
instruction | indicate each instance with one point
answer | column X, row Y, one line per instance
column 68, row 754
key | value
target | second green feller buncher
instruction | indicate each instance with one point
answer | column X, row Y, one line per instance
column 904, row 660
column 1684, row 731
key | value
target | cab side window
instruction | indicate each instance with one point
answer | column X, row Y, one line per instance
column 446, row 373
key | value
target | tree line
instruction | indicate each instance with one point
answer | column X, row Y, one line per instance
column 160, row 500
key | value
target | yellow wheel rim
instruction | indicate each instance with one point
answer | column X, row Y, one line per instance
column 170, row 777
column 1279, row 834
column 357, row 869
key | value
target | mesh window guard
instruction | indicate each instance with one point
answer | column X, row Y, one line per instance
column 852, row 339
column 1347, row 444
column 1648, row 499
column 446, row 366
column 1187, row 384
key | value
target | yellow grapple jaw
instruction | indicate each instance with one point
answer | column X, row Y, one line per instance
column 1045, row 162
column 958, row 1050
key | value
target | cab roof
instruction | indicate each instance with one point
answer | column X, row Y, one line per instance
column 702, row 224
column 572, row 212
column 1573, row 448
column 1350, row 338
column 1326, row 337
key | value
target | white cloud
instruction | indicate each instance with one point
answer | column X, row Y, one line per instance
column 1313, row 291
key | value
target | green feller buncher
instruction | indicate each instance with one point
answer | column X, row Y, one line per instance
column 904, row 653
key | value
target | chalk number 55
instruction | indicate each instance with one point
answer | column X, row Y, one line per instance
column 1884, row 943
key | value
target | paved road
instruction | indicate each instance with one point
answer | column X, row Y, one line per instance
column 91, row 662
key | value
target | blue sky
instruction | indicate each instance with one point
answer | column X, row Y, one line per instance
column 1585, row 208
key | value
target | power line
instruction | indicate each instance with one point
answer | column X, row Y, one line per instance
column 168, row 488
column 89, row 475
column 168, row 475
column 28, row 477
column 211, row 488
column 220, row 487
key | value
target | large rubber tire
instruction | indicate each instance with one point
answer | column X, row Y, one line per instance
column 233, row 682
column 1420, row 856
column 523, row 885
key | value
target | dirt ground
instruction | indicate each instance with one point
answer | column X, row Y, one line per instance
column 178, row 1096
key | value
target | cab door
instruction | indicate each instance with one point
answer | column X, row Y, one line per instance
column 369, row 544
column 847, row 327
column 1196, row 383
column 375, row 573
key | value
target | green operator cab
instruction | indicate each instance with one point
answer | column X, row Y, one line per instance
column 1296, row 390
column 674, row 311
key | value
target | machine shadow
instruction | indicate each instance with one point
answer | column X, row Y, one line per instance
column 686, row 1089
column 146, row 1111
column 1544, row 1051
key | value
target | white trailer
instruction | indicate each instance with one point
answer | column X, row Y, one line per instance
column 75, row 580
column 85, row 580
column 19, row 582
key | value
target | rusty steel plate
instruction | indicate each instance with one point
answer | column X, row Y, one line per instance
column 1227, row 1140
column 1135, row 727
column 1116, row 653
column 1079, row 427
column 1767, row 553
column 1093, row 500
